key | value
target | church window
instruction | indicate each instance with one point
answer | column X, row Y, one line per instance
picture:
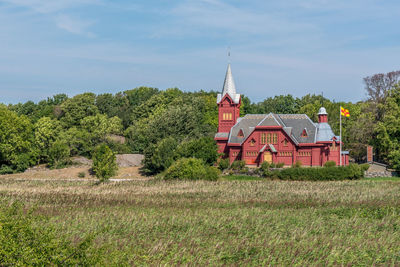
column 285, row 142
column 275, row 140
column 227, row 116
column 263, row 138
column 269, row 138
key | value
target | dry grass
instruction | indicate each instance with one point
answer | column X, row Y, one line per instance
column 225, row 222
column 71, row 173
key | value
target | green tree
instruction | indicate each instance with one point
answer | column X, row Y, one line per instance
column 76, row 108
column 16, row 137
column 159, row 157
column 104, row 162
column 204, row 148
column 46, row 132
column 59, row 153
column 99, row 126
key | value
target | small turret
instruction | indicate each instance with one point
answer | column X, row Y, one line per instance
column 322, row 115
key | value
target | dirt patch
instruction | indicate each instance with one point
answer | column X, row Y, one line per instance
column 129, row 160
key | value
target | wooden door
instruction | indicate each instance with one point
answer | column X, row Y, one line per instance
column 267, row 156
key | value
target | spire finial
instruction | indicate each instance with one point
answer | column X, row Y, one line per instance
column 229, row 54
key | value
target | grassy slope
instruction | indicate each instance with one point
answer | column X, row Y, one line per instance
column 225, row 222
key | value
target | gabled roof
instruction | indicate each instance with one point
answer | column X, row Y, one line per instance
column 229, row 87
column 292, row 124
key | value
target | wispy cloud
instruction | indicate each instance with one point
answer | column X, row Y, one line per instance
column 74, row 25
column 59, row 12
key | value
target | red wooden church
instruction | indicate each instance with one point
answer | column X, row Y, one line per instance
column 276, row 138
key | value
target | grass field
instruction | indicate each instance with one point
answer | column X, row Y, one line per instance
column 228, row 222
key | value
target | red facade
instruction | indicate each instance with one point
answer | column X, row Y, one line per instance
column 271, row 143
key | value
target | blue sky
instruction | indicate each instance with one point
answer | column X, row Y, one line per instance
column 277, row 47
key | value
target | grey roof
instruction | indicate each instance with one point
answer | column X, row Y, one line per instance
column 324, row 132
column 293, row 125
column 229, row 87
column 299, row 123
column 221, row 135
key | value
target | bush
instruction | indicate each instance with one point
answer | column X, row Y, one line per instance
column 365, row 167
column 238, row 165
column 6, row 169
column 104, row 162
column 265, row 166
column 298, row 164
column 191, row 169
column 280, row 165
column 81, row 174
column 58, row 155
column 223, row 164
column 353, row 171
column 330, row 163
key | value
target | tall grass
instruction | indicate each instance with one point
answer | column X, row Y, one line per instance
column 223, row 223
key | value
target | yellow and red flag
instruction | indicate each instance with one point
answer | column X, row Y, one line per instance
column 344, row 112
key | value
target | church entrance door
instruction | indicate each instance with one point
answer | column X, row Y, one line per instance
column 267, row 156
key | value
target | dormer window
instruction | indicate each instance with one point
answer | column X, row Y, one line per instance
column 304, row 133
column 240, row 134
column 252, row 142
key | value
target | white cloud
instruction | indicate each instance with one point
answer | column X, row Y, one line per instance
column 74, row 25
column 58, row 12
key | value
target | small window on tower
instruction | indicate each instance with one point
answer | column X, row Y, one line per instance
column 252, row 142
column 285, row 142
column 304, row 133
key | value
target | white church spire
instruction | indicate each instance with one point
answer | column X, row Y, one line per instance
column 229, row 87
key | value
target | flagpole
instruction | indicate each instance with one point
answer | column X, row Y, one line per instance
column 340, row 155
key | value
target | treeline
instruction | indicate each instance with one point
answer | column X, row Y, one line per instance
column 172, row 124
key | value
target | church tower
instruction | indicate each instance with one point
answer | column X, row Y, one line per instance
column 228, row 104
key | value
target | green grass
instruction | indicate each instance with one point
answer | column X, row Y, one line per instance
column 228, row 222
column 397, row 179
column 241, row 178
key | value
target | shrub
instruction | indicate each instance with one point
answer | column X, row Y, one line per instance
column 212, row 173
column 223, row 164
column 190, row 169
column 265, row 166
column 280, row 165
column 365, row 167
column 330, row 163
column 58, row 155
column 104, row 162
column 238, row 165
column 81, row 174
column 298, row 164
column 353, row 171
column 272, row 165
column 6, row 169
